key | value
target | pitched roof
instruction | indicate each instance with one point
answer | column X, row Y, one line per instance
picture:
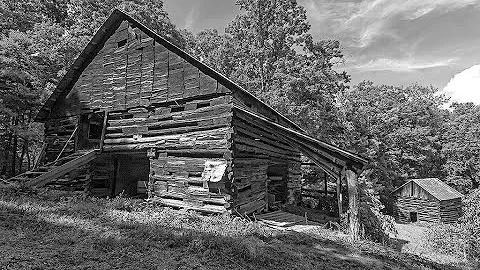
column 330, row 153
column 103, row 34
column 435, row 187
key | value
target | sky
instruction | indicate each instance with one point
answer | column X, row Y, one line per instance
column 395, row 42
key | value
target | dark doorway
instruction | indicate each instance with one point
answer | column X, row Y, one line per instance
column 131, row 171
column 413, row 216
column 89, row 132
column 276, row 185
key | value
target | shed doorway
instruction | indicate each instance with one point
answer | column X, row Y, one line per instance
column 131, row 174
column 276, row 185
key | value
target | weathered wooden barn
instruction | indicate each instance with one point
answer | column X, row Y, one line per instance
column 136, row 114
column 428, row 200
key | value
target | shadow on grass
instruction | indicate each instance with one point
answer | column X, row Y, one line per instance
column 56, row 235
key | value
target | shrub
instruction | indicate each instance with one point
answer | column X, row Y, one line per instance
column 461, row 240
column 374, row 224
column 471, row 225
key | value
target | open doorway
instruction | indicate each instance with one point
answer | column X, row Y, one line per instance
column 90, row 128
column 131, row 174
column 276, row 185
column 413, row 216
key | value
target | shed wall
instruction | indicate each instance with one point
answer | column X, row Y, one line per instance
column 257, row 151
column 426, row 210
column 451, row 210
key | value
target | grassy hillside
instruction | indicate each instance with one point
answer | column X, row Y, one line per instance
column 58, row 230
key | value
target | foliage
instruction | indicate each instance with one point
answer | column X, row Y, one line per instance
column 471, row 224
column 398, row 129
column 374, row 224
column 461, row 240
column 461, row 145
column 269, row 51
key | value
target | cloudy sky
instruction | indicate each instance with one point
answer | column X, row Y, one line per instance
column 432, row 42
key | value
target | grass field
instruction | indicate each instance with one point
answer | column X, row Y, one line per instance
column 58, row 230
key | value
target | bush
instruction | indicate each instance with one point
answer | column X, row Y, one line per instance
column 461, row 240
column 471, row 225
column 375, row 226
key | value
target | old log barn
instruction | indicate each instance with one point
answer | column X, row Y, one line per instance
column 428, row 200
column 136, row 114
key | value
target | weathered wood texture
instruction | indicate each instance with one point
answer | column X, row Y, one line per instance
column 178, row 180
column 102, row 175
column 414, row 190
column 133, row 70
column 197, row 125
column 426, row 210
column 451, row 210
column 247, row 102
column 257, row 148
column 57, row 133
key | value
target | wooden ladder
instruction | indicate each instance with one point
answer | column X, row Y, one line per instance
column 49, row 172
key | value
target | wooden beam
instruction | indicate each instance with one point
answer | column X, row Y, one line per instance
column 104, row 130
column 41, row 155
column 353, row 203
column 325, row 179
column 339, row 195
column 63, row 169
column 335, row 154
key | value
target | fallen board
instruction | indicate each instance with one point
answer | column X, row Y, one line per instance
column 281, row 219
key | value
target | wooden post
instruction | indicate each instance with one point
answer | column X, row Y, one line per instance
column 353, row 202
column 104, row 130
column 325, row 182
column 40, row 156
column 339, row 195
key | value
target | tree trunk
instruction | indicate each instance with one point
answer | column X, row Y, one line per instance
column 353, row 201
column 14, row 154
column 22, row 156
column 7, row 153
column 29, row 162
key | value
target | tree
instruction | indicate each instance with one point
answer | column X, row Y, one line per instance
column 19, row 100
column 461, row 147
column 398, row 129
column 269, row 51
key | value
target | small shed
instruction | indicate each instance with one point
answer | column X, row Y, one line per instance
column 428, row 200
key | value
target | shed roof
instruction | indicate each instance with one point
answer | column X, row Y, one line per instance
column 435, row 187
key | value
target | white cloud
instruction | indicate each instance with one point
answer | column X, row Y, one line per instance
column 402, row 65
column 465, row 86
column 364, row 21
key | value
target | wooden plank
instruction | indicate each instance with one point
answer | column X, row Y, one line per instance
column 63, row 169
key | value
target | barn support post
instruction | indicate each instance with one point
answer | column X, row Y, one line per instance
column 339, row 195
column 353, row 202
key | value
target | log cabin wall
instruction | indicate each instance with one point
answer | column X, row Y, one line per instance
column 132, row 70
column 256, row 149
column 450, row 210
column 156, row 100
column 414, row 199
column 425, row 210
